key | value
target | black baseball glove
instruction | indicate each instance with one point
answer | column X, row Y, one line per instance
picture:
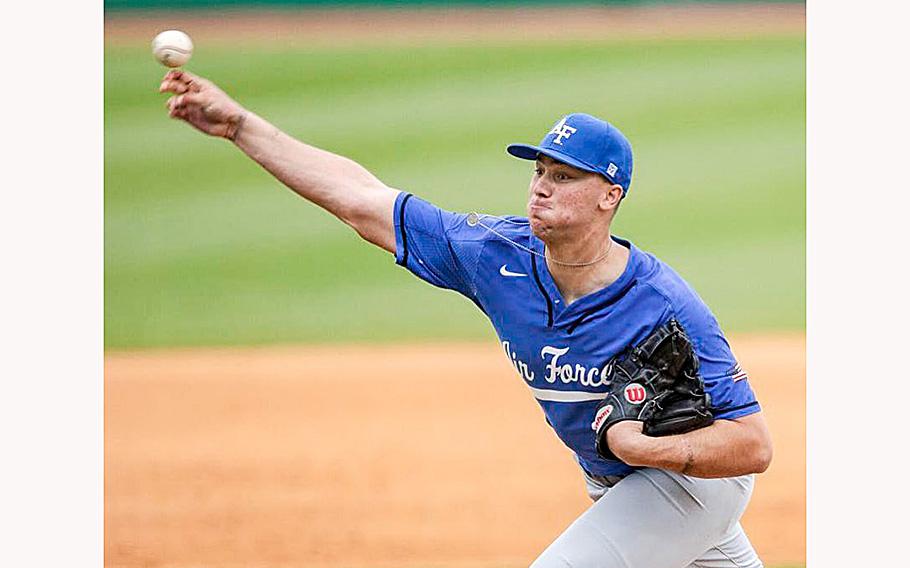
column 656, row 382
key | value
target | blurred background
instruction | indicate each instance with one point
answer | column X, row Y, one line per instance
column 276, row 389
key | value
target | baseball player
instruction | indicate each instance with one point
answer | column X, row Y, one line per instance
column 572, row 305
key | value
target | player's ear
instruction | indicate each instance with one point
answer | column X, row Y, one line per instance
column 610, row 197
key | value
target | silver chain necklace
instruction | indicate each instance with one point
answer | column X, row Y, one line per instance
column 474, row 219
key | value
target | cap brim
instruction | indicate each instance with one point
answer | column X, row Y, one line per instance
column 529, row 152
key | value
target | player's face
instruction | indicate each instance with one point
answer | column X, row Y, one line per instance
column 563, row 200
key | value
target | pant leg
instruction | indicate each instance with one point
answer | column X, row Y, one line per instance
column 733, row 552
column 651, row 519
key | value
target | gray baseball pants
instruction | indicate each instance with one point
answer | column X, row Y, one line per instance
column 654, row 518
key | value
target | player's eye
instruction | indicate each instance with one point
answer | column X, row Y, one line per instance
column 561, row 176
column 538, row 171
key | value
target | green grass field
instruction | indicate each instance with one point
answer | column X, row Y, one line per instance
column 202, row 247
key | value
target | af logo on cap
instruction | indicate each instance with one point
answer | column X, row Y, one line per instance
column 562, row 130
column 612, row 169
column 634, row 393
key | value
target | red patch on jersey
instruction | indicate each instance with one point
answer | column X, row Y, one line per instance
column 635, row 393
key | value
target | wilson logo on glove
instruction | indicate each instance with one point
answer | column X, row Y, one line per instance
column 601, row 416
column 635, row 393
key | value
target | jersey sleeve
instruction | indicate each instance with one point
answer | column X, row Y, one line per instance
column 725, row 380
column 437, row 246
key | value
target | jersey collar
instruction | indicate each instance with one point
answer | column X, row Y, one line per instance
column 596, row 299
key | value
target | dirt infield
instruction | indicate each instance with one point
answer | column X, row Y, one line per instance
column 337, row 27
column 374, row 456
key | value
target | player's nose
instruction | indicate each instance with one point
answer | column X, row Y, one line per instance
column 541, row 187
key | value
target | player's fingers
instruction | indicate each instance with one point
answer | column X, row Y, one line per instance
column 185, row 75
column 181, row 77
column 172, row 87
column 191, row 98
column 189, row 79
column 173, row 110
column 174, row 76
column 186, row 101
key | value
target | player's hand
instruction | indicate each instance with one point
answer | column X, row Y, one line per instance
column 202, row 104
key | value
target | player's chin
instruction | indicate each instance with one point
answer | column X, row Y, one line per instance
column 539, row 227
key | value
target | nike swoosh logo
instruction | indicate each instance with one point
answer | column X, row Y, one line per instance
column 506, row 272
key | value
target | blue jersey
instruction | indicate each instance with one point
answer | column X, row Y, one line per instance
column 560, row 351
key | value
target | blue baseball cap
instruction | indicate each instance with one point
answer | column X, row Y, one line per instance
column 587, row 143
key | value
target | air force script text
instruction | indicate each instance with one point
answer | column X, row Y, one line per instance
column 559, row 368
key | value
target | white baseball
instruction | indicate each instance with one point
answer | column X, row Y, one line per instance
column 172, row 48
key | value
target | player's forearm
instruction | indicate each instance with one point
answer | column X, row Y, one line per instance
column 335, row 183
column 724, row 449
column 727, row 448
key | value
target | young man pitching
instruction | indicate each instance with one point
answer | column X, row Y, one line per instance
column 629, row 366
